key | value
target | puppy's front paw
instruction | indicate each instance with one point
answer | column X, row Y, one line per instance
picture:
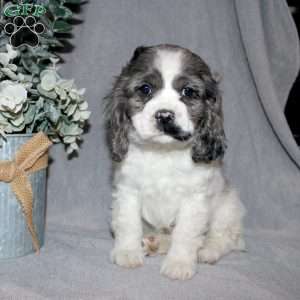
column 176, row 268
column 132, row 258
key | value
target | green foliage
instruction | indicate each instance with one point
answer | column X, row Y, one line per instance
column 33, row 96
column 58, row 22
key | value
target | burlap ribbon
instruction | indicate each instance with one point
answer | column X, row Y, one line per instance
column 31, row 157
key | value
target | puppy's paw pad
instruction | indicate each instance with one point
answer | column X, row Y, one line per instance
column 150, row 245
column 209, row 255
column 178, row 269
column 127, row 258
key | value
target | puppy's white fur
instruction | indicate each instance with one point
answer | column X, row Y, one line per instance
column 158, row 183
column 169, row 64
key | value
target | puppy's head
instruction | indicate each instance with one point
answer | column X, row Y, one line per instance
column 166, row 95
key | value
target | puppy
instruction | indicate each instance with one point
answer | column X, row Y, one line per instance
column 166, row 138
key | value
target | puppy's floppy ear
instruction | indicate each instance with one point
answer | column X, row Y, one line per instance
column 117, row 122
column 117, row 112
column 209, row 142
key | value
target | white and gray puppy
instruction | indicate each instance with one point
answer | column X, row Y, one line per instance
column 166, row 137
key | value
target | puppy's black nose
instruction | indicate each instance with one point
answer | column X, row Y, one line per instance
column 164, row 116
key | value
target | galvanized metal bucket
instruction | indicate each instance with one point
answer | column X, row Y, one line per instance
column 15, row 239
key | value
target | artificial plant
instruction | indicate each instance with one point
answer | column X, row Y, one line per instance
column 33, row 95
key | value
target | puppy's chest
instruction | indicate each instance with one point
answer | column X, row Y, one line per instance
column 163, row 181
column 160, row 172
column 160, row 194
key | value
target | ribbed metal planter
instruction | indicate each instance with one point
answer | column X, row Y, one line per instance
column 15, row 239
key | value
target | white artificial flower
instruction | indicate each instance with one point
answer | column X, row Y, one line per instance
column 5, row 58
column 12, row 96
column 11, row 52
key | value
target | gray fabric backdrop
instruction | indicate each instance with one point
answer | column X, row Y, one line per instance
column 254, row 46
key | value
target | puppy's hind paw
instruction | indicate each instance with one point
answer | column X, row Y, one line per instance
column 209, row 255
column 156, row 243
column 127, row 258
column 150, row 244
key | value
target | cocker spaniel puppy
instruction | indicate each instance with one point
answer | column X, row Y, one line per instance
column 166, row 138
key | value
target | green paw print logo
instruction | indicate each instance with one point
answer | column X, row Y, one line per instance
column 24, row 31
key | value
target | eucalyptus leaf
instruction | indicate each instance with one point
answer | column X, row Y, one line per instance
column 61, row 26
column 69, row 139
column 61, row 92
column 40, row 103
column 13, row 67
column 48, row 81
column 53, row 113
column 71, row 109
column 51, row 41
column 30, row 114
column 54, row 139
column 76, row 116
column 62, row 12
column 51, row 94
column 18, row 121
column 9, row 128
column 74, row 146
column 74, row 95
column 17, row 128
column 33, row 92
column 70, row 150
column 66, row 84
column 64, row 103
column 73, row 1
column 8, row 115
column 83, row 105
column 9, row 73
column 30, row 65
column 84, row 115
column 70, row 129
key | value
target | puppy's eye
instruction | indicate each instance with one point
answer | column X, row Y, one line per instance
column 187, row 92
column 146, row 89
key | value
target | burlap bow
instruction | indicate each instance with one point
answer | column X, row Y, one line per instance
column 31, row 157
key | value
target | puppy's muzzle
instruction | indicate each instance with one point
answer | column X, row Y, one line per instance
column 166, row 122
